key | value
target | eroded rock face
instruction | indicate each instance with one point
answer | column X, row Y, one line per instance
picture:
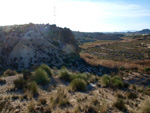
column 26, row 45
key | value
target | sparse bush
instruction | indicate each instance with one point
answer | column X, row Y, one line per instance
column 47, row 109
column 119, row 95
column 131, row 95
column 63, row 68
column 64, row 102
column 31, row 107
column 92, row 78
column 147, row 69
column 90, row 109
column 94, row 101
column 81, row 76
column 140, row 89
column 147, row 91
column 103, row 108
column 41, row 77
column 145, row 108
column 133, row 87
column 2, row 81
column 95, row 107
column 42, row 100
column 113, row 82
column 77, row 109
column 5, row 103
column 26, row 74
column 120, row 105
column 122, row 68
column 106, row 80
column 65, row 75
column 20, row 83
column 33, row 88
column 24, row 96
column 14, row 97
column 117, row 82
column 126, row 85
column 10, row 72
column 47, row 69
column 68, row 76
column 78, row 85
column 61, row 98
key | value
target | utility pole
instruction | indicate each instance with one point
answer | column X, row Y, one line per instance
column 54, row 14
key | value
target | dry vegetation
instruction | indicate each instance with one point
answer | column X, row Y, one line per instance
column 128, row 53
column 46, row 90
column 93, row 60
column 71, row 92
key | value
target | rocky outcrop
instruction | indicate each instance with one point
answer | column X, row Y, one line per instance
column 22, row 46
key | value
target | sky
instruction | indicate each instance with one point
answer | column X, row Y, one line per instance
column 79, row 15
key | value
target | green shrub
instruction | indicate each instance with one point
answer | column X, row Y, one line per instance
column 147, row 69
column 68, row 76
column 119, row 95
column 122, row 68
column 131, row 95
column 41, row 77
column 10, row 72
column 120, row 105
column 64, row 102
column 117, row 82
column 63, row 67
column 33, row 88
column 78, row 85
column 126, row 85
column 26, row 74
column 20, row 83
column 81, row 76
column 65, row 75
column 113, row 82
column 47, row 69
column 106, row 80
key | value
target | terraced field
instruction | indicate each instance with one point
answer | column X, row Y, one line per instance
column 125, row 51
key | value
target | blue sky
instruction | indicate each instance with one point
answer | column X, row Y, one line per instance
column 79, row 15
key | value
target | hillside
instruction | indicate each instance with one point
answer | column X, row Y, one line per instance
column 141, row 32
column 80, row 81
column 144, row 31
column 28, row 46
column 32, row 44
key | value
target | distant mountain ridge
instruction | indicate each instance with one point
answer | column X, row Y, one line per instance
column 93, row 36
column 144, row 31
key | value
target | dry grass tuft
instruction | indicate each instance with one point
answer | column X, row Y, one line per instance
column 31, row 107
column 145, row 107
column 60, row 99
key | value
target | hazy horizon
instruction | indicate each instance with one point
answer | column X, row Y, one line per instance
column 79, row 15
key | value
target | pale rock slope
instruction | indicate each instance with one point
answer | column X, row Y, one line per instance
column 23, row 46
